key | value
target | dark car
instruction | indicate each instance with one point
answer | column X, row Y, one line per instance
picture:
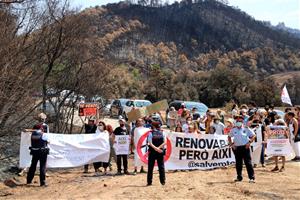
column 117, row 107
column 201, row 107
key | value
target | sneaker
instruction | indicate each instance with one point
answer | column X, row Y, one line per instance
column 275, row 169
column 135, row 172
column 44, row 185
column 263, row 165
column 127, row 173
column 296, row 159
column 281, row 169
column 163, row 183
column 251, row 181
column 255, row 165
column 142, row 171
column 119, row 173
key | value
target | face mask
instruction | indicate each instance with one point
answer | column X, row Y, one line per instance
column 239, row 124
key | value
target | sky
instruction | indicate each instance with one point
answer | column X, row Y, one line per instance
column 275, row 11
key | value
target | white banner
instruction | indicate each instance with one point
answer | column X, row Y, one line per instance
column 122, row 144
column 188, row 151
column 256, row 146
column 69, row 150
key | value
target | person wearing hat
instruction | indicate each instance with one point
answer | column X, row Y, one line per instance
column 122, row 130
column 156, row 142
column 229, row 125
column 242, row 139
column 89, row 127
column 219, row 126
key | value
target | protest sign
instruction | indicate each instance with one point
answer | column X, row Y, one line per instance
column 88, row 109
column 137, row 113
column 278, row 144
column 188, row 151
column 69, row 150
column 158, row 106
column 122, row 144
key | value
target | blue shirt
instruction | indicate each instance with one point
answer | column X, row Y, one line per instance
column 241, row 135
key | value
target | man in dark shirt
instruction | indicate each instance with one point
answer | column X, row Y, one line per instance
column 90, row 127
column 122, row 130
column 196, row 116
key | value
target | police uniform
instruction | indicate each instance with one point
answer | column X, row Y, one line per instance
column 156, row 137
column 241, row 138
column 39, row 152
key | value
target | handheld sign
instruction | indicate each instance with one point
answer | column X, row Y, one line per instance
column 88, row 109
column 278, row 144
column 122, row 144
column 137, row 113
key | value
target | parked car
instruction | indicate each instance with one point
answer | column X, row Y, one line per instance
column 77, row 99
column 201, row 107
column 134, row 104
column 280, row 113
column 117, row 107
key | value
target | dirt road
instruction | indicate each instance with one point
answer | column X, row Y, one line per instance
column 214, row 184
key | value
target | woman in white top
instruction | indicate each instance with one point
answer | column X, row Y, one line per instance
column 293, row 126
column 101, row 129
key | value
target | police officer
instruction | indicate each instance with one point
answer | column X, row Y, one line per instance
column 39, row 151
column 242, row 138
column 156, row 142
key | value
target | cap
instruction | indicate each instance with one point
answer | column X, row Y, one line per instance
column 122, row 120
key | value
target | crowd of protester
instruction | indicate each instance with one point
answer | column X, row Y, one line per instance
column 248, row 117
column 218, row 122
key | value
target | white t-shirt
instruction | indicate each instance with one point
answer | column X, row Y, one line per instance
column 219, row 128
column 185, row 128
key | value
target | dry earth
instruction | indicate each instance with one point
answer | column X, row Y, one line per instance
column 213, row 184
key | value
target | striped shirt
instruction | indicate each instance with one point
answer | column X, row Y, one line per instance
column 241, row 135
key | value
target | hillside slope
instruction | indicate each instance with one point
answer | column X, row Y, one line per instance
column 199, row 36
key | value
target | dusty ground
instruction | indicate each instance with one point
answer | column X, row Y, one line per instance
column 214, row 184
